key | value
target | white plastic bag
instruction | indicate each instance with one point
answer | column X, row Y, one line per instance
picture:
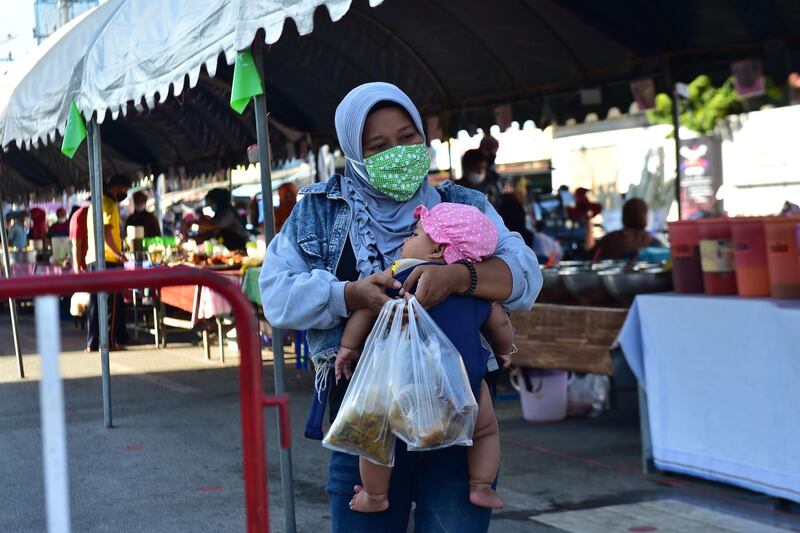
column 433, row 406
column 361, row 426
column 587, row 394
column 79, row 304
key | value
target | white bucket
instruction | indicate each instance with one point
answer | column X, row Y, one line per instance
column 543, row 393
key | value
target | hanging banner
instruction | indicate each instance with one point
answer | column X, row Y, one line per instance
column 701, row 171
column 503, row 116
column 748, row 79
column 644, row 93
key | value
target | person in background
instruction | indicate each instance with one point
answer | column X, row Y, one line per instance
column 18, row 234
column 78, row 236
column 584, row 209
column 624, row 243
column 512, row 211
column 287, row 193
column 474, row 176
column 142, row 217
column 115, row 190
column 225, row 224
column 489, row 147
column 60, row 228
column 38, row 224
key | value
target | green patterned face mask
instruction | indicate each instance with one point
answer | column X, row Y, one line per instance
column 398, row 172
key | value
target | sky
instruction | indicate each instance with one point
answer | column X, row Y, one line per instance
column 17, row 20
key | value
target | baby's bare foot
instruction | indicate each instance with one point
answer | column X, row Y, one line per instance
column 483, row 495
column 363, row 502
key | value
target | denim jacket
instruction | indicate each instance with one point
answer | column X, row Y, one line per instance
column 298, row 285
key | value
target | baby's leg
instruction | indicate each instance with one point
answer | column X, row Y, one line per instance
column 483, row 458
column 373, row 497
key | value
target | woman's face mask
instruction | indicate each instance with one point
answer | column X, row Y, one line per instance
column 399, row 171
column 138, row 208
column 476, row 177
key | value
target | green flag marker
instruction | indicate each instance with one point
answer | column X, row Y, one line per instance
column 75, row 134
column 246, row 81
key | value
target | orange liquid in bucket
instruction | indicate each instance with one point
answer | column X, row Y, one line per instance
column 750, row 257
column 716, row 256
column 782, row 256
column 687, row 276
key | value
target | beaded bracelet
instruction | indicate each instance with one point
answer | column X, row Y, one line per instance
column 473, row 274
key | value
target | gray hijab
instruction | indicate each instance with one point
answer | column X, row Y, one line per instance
column 379, row 223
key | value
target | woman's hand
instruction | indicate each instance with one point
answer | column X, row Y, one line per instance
column 369, row 293
column 434, row 283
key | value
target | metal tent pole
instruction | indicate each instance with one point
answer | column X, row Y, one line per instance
column 676, row 124
column 96, row 186
column 12, row 304
column 265, row 164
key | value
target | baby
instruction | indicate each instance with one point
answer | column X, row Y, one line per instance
column 446, row 234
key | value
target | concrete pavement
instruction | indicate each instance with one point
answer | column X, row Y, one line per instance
column 173, row 460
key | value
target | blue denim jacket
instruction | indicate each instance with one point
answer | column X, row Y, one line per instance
column 298, row 285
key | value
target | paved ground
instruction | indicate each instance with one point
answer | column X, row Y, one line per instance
column 172, row 461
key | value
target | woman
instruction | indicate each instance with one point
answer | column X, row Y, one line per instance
column 327, row 261
column 627, row 242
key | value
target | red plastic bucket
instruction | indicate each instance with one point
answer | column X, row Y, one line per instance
column 716, row 256
column 687, row 276
column 750, row 256
column 782, row 256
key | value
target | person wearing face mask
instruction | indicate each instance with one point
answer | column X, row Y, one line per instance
column 60, row 228
column 474, row 176
column 114, row 191
column 329, row 260
column 142, row 217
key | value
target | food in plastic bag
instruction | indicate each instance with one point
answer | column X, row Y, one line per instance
column 433, row 405
column 587, row 394
column 361, row 426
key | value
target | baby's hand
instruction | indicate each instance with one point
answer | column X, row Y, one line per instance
column 344, row 362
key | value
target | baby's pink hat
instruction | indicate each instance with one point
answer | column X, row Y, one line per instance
column 465, row 232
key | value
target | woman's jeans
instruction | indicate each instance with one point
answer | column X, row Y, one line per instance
column 436, row 481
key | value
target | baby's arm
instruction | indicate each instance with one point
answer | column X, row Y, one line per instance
column 498, row 325
column 355, row 331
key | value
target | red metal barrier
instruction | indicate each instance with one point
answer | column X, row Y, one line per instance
column 251, row 395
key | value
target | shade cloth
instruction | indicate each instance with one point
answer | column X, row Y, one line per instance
column 721, row 380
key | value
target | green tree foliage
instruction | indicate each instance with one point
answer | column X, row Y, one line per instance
column 706, row 104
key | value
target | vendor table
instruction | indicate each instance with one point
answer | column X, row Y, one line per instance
column 720, row 383
column 250, row 285
column 203, row 304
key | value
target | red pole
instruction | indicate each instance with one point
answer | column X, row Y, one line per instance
column 251, row 394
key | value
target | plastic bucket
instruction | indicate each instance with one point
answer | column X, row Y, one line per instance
column 782, row 256
column 687, row 275
column 543, row 393
column 750, row 256
column 716, row 256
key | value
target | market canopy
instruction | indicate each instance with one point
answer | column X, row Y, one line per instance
column 158, row 74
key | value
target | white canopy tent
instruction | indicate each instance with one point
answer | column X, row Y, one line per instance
column 143, row 52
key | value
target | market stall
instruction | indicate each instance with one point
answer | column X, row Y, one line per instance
column 720, row 376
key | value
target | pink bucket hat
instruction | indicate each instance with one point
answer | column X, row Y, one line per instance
column 465, row 232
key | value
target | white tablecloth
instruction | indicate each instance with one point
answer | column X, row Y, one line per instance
column 722, row 377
